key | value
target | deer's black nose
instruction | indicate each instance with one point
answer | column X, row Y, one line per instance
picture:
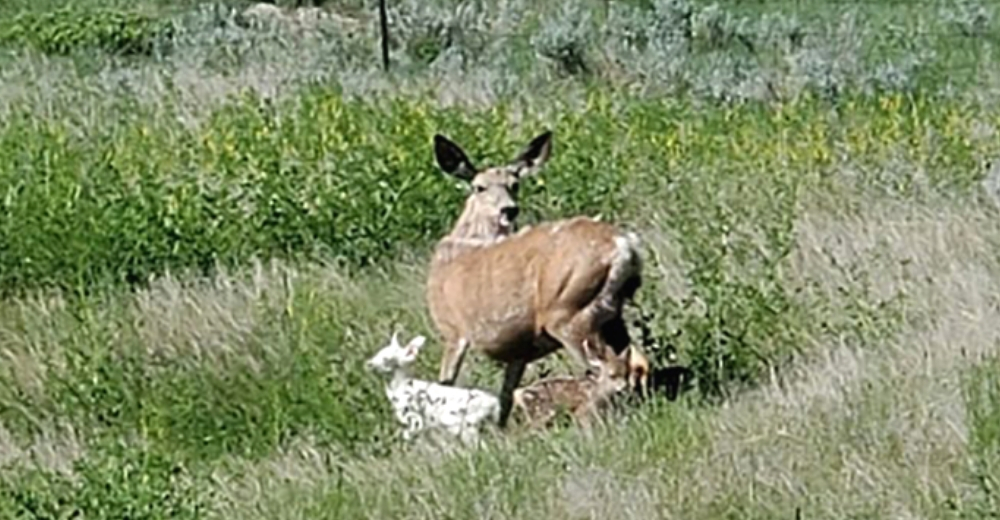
column 510, row 213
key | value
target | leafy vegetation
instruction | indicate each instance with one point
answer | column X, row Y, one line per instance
column 67, row 30
column 356, row 178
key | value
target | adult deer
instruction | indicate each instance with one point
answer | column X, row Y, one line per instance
column 517, row 297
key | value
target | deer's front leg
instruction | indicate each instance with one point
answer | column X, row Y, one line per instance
column 451, row 360
column 511, row 379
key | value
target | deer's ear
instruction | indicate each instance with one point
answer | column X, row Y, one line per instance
column 452, row 159
column 535, row 154
column 415, row 344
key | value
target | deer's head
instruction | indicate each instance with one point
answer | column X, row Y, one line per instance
column 491, row 207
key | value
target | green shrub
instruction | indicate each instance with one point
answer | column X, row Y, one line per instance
column 68, row 30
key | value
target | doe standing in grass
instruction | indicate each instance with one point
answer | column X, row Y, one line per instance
column 517, row 297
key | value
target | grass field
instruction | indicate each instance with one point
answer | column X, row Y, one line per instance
column 208, row 224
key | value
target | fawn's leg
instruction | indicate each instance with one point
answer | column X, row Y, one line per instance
column 469, row 435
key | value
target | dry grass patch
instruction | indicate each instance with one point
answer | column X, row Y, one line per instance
column 55, row 449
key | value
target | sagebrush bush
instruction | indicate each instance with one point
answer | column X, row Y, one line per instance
column 708, row 51
column 968, row 18
column 566, row 40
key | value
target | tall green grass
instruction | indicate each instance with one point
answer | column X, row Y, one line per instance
column 982, row 390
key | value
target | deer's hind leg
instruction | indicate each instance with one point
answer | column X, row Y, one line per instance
column 592, row 310
column 610, row 304
column 615, row 334
column 573, row 330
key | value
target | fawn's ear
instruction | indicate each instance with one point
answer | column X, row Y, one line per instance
column 590, row 352
column 415, row 344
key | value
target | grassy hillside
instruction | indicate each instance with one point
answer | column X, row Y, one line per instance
column 208, row 223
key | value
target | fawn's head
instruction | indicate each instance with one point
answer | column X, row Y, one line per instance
column 612, row 370
column 395, row 356
column 491, row 208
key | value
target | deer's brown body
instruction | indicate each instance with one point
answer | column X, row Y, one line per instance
column 517, row 297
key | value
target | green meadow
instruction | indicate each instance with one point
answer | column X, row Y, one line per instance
column 210, row 220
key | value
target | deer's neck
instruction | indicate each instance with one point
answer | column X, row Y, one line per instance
column 469, row 233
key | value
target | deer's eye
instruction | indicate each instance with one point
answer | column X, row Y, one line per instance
column 479, row 188
column 514, row 187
